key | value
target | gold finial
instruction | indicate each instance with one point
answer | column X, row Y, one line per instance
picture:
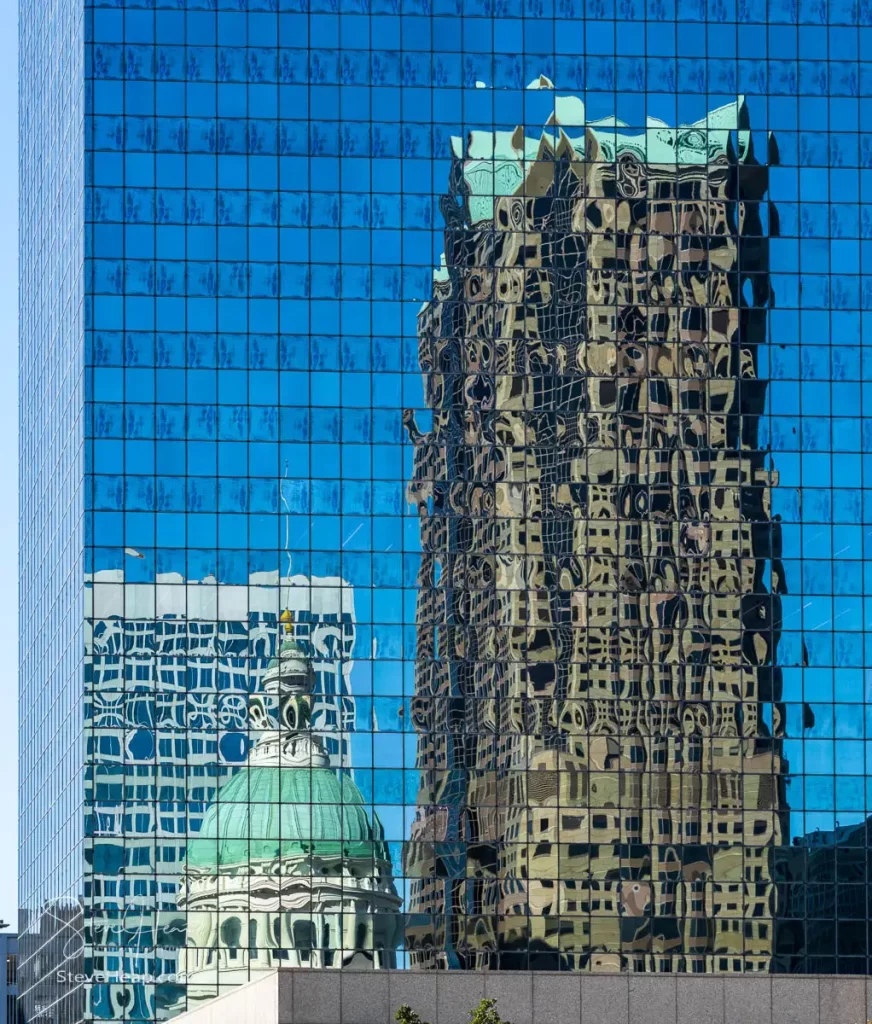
column 287, row 617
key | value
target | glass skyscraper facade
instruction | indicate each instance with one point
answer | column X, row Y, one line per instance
column 444, row 532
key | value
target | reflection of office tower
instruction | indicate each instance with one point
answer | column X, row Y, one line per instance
column 207, row 637
column 600, row 786
column 287, row 870
column 824, row 902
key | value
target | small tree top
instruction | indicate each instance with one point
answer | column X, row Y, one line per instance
column 486, row 1013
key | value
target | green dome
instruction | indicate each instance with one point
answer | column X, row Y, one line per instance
column 263, row 813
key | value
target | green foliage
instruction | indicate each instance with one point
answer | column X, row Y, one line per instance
column 406, row 1015
column 485, row 1013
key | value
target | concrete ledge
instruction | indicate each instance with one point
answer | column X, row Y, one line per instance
column 539, row 997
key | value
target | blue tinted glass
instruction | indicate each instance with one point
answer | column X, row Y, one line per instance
column 443, row 449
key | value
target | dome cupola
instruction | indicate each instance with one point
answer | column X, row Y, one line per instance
column 289, row 680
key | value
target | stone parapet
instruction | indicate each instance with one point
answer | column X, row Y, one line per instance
column 447, row 997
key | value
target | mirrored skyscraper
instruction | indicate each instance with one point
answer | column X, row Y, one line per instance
column 475, row 398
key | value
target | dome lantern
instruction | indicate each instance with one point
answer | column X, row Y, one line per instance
column 290, row 679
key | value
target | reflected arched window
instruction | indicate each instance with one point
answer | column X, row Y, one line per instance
column 231, row 933
column 327, row 950
column 304, row 939
column 279, row 953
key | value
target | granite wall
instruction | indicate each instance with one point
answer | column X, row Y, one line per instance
column 333, row 997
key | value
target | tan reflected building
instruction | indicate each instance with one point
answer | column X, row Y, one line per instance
column 601, row 782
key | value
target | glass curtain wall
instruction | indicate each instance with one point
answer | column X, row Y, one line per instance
column 473, row 563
